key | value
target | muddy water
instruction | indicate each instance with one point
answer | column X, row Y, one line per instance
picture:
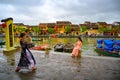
column 57, row 66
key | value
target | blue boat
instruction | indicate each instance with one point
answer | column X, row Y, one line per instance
column 108, row 47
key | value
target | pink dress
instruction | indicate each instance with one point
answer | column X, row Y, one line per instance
column 77, row 48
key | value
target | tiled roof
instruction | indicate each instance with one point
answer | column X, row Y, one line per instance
column 102, row 23
column 18, row 24
column 63, row 22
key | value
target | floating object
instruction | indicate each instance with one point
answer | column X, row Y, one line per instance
column 110, row 47
column 58, row 47
column 68, row 47
column 107, row 53
column 41, row 47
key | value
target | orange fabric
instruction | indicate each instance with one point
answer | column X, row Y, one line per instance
column 77, row 48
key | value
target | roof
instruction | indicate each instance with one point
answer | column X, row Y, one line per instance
column 93, row 26
column 83, row 24
column 75, row 27
column 102, row 23
column 118, row 23
column 19, row 24
column 4, row 20
column 63, row 23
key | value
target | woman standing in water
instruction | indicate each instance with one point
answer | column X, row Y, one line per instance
column 26, row 58
column 77, row 48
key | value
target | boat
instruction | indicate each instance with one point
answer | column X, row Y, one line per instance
column 68, row 47
column 41, row 47
column 59, row 47
column 108, row 47
column 107, row 53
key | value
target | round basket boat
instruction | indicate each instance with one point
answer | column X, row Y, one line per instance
column 58, row 47
column 68, row 47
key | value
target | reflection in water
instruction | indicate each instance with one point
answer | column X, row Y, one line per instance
column 77, row 62
column 47, row 53
column 10, row 57
column 26, row 76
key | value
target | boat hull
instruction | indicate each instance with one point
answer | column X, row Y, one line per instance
column 106, row 53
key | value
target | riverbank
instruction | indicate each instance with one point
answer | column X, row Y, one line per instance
column 60, row 66
column 68, row 36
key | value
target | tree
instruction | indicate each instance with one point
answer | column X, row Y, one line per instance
column 50, row 30
column 20, row 29
column 26, row 30
column 36, row 30
column 101, row 29
column 83, row 28
column 68, row 29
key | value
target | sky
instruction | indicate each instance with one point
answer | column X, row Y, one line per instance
column 33, row 12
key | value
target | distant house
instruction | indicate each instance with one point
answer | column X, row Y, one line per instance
column 19, row 27
column 43, row 27
column 115, row 28
column 61, row 25
column 116, row 23
column 75, row 29
column 92, row 29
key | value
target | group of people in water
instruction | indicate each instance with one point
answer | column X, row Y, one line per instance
column 27, row 60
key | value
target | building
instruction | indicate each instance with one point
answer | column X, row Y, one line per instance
column 75, row 29
column 61, row 26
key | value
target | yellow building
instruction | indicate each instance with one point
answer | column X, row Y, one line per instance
column 19, row 27
column 75, row 29
column 61, row 25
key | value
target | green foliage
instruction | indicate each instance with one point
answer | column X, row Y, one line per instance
column 50, row 30
column 83, row 28
column 36, row 30
column 116, row 28
column 101, row 29
column 68, row 29
column 26, row 30
column 20, row 29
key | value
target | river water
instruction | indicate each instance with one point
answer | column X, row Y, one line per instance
column 88, row 47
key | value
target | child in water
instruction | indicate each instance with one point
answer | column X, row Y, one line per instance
column 26, row 58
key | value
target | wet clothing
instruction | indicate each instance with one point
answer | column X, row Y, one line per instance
column 26, row 58
column 77, row 48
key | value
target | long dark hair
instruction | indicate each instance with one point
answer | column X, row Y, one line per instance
column 80, row 39
column 21, row 35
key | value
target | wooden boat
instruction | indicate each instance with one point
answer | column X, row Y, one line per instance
column 68, row 47
column 107, row 53
column 58, row 47
column 41, row 47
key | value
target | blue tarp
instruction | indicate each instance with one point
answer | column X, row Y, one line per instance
column 117, row 45
column 99, row 43
column 99, row 46
column 117, row 42
column 108, row 45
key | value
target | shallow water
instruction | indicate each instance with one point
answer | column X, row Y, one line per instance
column 87, row 49
column 89, row 44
